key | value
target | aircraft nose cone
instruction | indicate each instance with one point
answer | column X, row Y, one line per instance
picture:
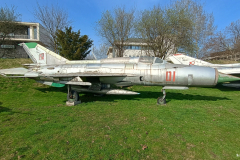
column 226, row 78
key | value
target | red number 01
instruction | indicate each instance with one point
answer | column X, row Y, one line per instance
column 169, row 76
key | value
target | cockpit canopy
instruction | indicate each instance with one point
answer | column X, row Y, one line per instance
column 141, row 59
column 147, row 59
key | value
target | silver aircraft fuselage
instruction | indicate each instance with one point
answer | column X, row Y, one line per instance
column 152, row 74
column 96, row 76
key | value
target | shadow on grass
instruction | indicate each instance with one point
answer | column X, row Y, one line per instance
column 223, row 88
column 53, row 89
column 64, row 89
column 4, row 109
column 88, row 97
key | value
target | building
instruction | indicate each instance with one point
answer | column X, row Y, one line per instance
column 135, row 47
column 28, row 32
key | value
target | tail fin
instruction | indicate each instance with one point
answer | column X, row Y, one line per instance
column 187, row 60
column 41, row 55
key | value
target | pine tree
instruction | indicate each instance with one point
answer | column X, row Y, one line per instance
column 72, row 45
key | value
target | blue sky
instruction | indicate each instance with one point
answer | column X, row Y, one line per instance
column 84, row 13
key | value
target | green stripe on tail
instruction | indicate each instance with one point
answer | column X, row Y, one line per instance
column 31, row 45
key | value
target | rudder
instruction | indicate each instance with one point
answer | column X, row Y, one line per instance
column 41, row 55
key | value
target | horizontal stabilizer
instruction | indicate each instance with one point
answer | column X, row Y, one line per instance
column 30, row 65
column 18, row 73
column 13, row 71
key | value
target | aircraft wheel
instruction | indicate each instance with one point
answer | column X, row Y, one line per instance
column 161, row 100
column 73, row 96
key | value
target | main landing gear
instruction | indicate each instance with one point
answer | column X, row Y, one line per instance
column 162, row 100
column 72, row 97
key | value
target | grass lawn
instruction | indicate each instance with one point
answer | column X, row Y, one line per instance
column 35, row 123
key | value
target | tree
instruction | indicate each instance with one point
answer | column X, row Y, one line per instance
column 218, row 44
column 226, row 42
column 165, row 30
column 182, row 26
column 90, row 57
column 116, row 27
column 53, row 18
column 101, row 51
column 71, row 45
column 233, row 33
column 8, row 26
column 203, row 24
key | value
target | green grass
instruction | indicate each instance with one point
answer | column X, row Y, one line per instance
column 12, row 63
column 199, row 123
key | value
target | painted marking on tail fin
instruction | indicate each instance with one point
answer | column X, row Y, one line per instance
column 41, row 56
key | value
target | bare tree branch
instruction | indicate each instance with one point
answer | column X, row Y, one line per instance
column 226, row 42
column 101, row 51
column 116, row 28
column 203, row 24
column 53, row 18
column 233, row 32
column 164, row 29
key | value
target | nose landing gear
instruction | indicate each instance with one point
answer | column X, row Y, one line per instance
column 162, row 100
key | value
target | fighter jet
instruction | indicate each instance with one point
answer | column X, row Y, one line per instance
column 232, row 69
column 97, row 76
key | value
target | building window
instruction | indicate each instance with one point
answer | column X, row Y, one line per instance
column 35, row 32
column 128, row 47
column 136, row 47
column 11, row 34
column 7, row 46
column 133, row 47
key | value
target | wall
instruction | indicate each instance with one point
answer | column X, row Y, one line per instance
column 44, row 36
column 18, row 52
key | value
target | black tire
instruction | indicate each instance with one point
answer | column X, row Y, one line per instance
column 161, row 100
column 73, row 95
